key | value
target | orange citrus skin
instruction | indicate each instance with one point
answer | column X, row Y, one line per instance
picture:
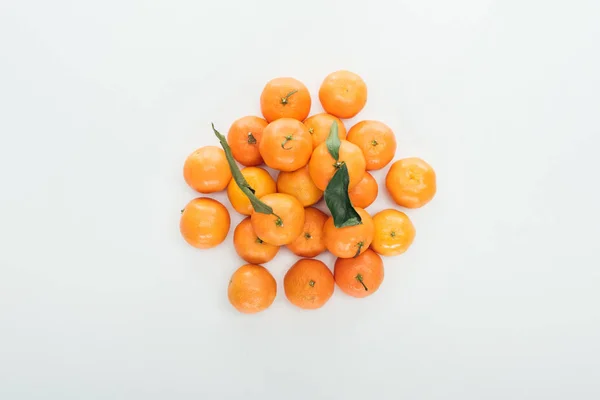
column 286, row 144
column 300, row 185
column 251, row 289
column 249, row 246
column 349, row 272
column 365, row 192
column 204, row 223
column 206, row 170
column 322, row 166
column 259, row 180
column 285, row 98
column 348, row 241
column 411, row 182
column 343, row 94
column 284, row 227
column 311, row 242
column 244, row 137
column 319, row 125
column 394, row 232
column 376, row 140
column 308, row 284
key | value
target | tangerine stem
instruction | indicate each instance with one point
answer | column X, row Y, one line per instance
column 284, row 100
column 287, row 139
column 360, row 246
column 278, row 221
column 359, row 278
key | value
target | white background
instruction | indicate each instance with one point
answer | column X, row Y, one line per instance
column 100, row 103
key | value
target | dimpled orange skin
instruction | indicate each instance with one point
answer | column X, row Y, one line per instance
column 259, row 180
column 308, row 284
column 244, row 137
column 206, row 170
column 345, row 242
column 349, row 272
column 279, row 232
column 286, row 145
column 278, row 101
column 300, row 185
column 343, row 94
column 376, row 140
column 204, row 223
column 365, row 192
column 251, row 289
column 322, row 166
column 249, row 246
column 394, row 232
column 311, row 241
column 411, row 182
column 319, row 125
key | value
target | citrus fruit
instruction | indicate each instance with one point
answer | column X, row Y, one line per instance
column 310, row 243
column 244, row 137
column 349, row 241
column 286, row 144
column 259, row 180
column 394, row 232
column 249, row 246
column 360, row 276
column 322, row 166
column 343, row 94
column 376, row 140
column 411, row 182
column 204, row 223
column 318, row 126
column 308, row 284
column 365, row 192
column 285, row 98
column 284, row 225
column 206, row 170
column 300, row 185
column 251, row 289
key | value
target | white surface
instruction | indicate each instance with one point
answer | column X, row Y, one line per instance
column 100, row 298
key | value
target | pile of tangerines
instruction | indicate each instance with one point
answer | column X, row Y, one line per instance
column 316, row 158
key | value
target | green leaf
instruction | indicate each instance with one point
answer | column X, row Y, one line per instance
column 338, row 201
column 333, row 141
column 258, row 205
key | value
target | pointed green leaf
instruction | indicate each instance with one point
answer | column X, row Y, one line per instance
column 338, row 200
column 258, row 205
column 333, row 141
